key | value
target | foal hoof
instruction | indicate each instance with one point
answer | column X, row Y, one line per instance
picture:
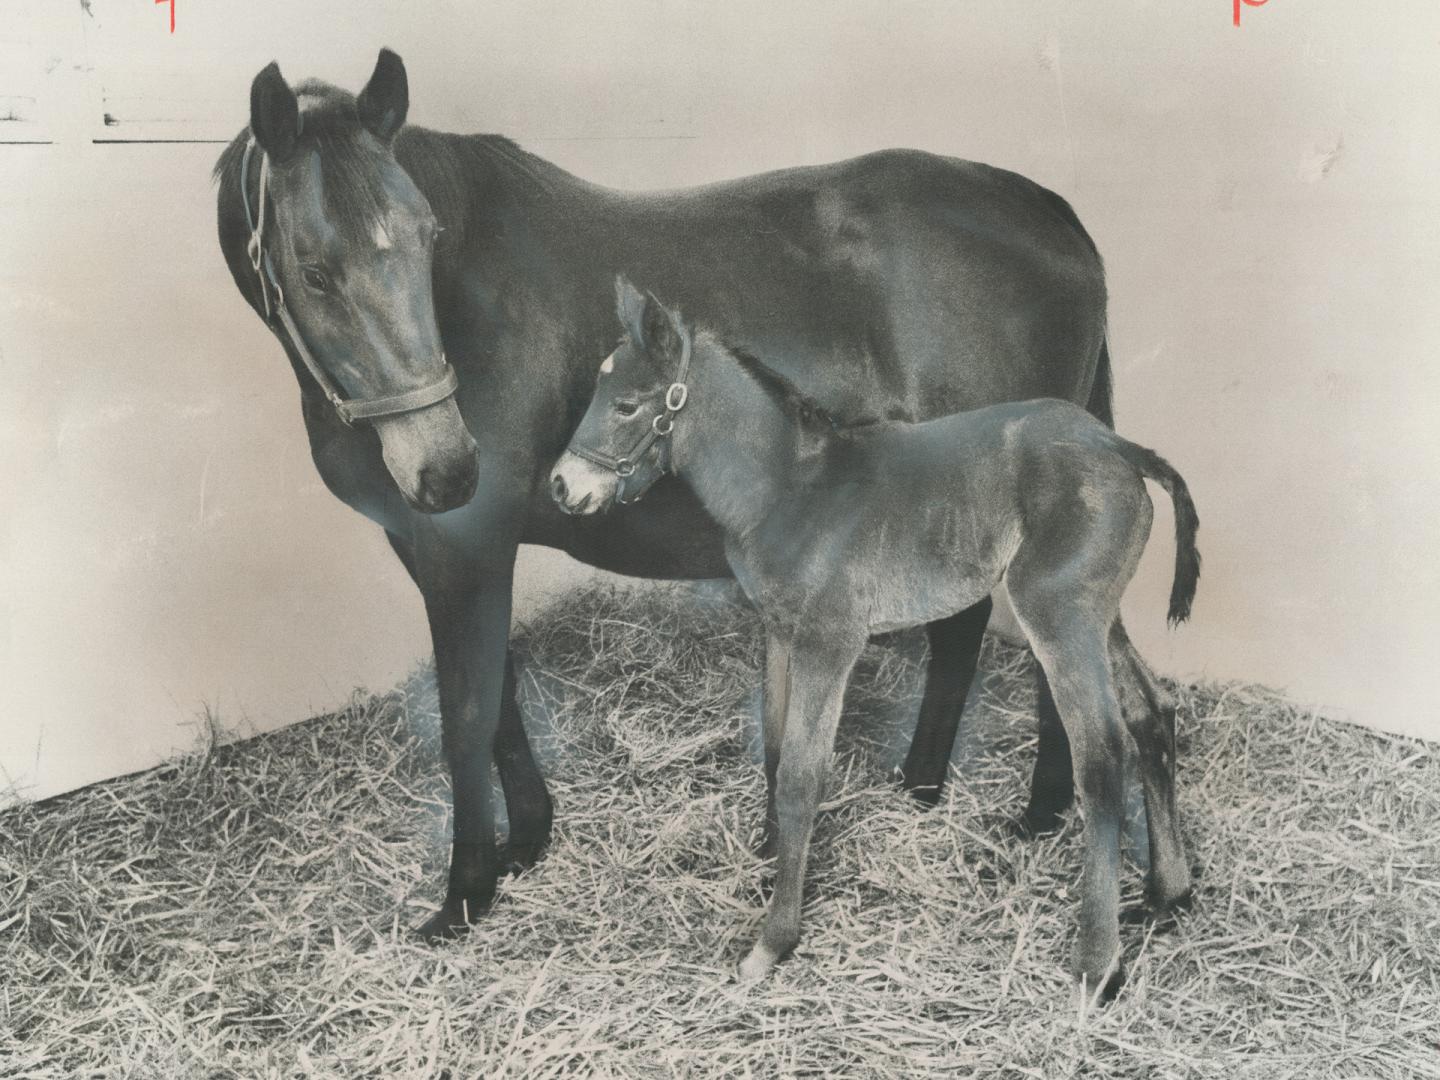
column 1164, row 912
column 757, row 965
column 1108, row 982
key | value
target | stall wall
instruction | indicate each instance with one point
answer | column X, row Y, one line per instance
column 1265, row 196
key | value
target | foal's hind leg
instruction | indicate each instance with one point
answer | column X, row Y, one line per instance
column 1150, row 715
column 818, row 673
column 954, row 651
column 1074, row 655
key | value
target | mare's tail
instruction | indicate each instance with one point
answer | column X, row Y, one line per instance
column 1187, row 558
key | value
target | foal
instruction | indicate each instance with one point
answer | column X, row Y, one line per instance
column 840, row 532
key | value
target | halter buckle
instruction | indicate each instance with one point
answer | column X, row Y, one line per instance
column 676, row 396
column 624, row 467
column 663, row 424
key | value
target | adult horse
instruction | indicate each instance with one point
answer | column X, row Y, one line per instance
column 377, row 251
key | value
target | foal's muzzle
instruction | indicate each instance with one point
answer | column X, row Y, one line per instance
column 581, row 487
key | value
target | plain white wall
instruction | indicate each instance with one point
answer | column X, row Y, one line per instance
column 1265, row 198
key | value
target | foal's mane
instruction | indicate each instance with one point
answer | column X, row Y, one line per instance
column 793, row 402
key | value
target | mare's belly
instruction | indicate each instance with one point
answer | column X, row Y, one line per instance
column 666, row 535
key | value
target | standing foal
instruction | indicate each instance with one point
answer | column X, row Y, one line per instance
column 840, row 532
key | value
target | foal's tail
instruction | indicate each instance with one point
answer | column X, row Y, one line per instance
column 1187, row 557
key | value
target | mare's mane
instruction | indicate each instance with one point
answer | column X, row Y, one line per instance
column 451, row 170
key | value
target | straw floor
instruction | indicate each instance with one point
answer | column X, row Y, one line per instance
column 244, row 911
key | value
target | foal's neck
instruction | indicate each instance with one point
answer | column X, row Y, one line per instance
column 733, row 445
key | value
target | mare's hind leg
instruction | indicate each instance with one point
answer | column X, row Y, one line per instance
column 818, row 673
column 776, row 702
column 954, row 651
column 1150, row 715
column 527, row 801
column 1052, row 785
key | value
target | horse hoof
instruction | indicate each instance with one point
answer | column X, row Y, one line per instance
column 765, row 850
column 1109, row 982
column 517, row 857
column 1033, row 825
column 452, row 921
column 926, row 795
column 757, row 965
column 1164, row 912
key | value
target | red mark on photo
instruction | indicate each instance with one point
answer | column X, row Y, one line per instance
column 1247, row 3
column 172, row 12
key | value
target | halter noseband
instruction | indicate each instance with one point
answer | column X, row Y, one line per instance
column 661, row 425
column 273, row 298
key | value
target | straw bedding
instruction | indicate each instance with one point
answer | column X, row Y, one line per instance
column 243, row 911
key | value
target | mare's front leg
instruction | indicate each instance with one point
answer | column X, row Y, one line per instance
column 818, row 671
column 469, row 611
column 527, row 801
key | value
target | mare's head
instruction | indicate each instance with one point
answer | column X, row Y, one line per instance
column 622, row 447
column 351, row 239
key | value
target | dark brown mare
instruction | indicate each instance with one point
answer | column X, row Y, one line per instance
column 898, row 283
column 839, row 532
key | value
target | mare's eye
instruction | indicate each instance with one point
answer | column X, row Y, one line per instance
column 626, row 408
column 315, row 278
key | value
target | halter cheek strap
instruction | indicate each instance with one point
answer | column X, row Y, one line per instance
column 661, row 425
column 273, row 298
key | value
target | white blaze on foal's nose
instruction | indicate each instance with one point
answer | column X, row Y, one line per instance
column 608, row 365
column 381, row 237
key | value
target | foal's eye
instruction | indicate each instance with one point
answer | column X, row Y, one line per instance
column 315, row 278
column 626, row 408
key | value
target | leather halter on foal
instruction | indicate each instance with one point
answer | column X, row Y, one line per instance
column 349, row 410
column 661, row 425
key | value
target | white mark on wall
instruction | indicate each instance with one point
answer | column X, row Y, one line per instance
column 1050, row 61
column 1322, row 157
column 204, row 477
column 381, row 237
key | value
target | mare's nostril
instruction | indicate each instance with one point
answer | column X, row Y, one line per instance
column 557, row 488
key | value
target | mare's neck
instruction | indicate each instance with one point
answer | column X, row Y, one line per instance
column 732, row 443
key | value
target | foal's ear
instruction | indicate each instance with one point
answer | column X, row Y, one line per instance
column 650, row 324
column 274, row 113
column 383, row 103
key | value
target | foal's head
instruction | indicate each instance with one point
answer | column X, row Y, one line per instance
column 351, row 239
column 621, row 448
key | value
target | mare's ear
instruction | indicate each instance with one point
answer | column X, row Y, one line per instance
column 274, row 113
column 383, row 103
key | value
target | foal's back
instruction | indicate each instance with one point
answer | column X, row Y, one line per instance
column 935, row 513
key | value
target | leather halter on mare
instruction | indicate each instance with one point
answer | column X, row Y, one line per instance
column 273, row 297
column 661, row 425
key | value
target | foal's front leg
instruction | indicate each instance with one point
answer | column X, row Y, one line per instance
column 818, row 672
column 776, row 701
